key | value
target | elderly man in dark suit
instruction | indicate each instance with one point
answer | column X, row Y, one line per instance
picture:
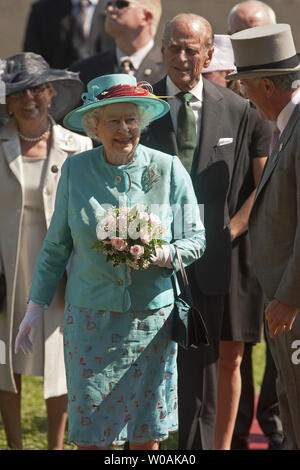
column 269, row 68
column 133, row 26
column 207, row 128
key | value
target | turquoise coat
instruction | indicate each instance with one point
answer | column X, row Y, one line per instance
column 153, row 179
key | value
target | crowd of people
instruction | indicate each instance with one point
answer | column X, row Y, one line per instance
column 100, row 115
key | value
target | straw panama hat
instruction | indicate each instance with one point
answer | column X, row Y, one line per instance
column 115, row 88
column 264, row 51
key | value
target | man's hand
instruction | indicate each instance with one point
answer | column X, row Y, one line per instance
column 280, row 317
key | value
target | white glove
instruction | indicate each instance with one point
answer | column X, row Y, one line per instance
column 162, row 257
column 28, row 328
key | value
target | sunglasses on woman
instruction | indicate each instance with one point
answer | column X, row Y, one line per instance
column 120, row 4
column 34, row 90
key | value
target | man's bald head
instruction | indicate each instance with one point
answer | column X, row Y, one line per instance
column 187, row 48
column 249, row 14
column 189, row 21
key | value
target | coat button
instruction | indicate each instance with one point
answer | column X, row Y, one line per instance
column 54, row 168
column 118, row 179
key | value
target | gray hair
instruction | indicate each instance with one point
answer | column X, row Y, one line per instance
column 287, row 82
column 189, row 18
column 91, row 120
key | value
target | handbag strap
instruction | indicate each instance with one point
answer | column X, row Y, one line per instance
column 186, row 286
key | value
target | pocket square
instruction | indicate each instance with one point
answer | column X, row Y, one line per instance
column 225, row 141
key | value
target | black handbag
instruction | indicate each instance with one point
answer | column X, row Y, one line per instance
column 188, row 329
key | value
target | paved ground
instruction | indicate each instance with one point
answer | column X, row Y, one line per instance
column 13, row 16
column 257, row 439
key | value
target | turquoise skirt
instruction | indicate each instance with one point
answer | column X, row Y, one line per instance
column 121, row 376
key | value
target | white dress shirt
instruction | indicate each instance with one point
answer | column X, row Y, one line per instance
column 285, row 114
column 89, row 13
column 195, row 103
column 137, row 57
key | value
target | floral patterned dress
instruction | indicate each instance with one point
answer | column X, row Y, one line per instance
column 121, row 374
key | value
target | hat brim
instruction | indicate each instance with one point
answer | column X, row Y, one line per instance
column 68, row 89
column 260, row 73
column 155, row 107
column 68, row 93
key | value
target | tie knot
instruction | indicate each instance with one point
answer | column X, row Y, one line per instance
column 185, row 97
column 126, row 66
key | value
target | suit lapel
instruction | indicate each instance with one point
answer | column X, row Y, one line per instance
column 278, row 150
column 209, row 134
column 57, row 154
column 150, row 65
column 11, row 148
column 164, row 125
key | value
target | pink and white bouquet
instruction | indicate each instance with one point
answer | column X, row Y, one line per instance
column 128, row 235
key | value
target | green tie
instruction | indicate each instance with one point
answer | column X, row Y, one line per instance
column 186, row 131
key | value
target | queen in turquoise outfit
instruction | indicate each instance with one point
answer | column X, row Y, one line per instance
column 120, row 358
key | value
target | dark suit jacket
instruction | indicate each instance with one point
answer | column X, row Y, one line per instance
column 151, row 69
column 217, row 174
column 50, row 32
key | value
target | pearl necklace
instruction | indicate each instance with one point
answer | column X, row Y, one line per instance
column 36, row 139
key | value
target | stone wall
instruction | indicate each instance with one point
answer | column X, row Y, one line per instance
column 14, row 13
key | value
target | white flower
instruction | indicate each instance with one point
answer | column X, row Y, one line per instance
column 154, row 220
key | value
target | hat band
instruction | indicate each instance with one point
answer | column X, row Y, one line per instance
column 289, row 63
column 122, row 90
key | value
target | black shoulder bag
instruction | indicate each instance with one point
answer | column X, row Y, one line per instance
column 189, row 329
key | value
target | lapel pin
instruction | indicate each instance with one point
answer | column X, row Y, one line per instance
column 147, row 72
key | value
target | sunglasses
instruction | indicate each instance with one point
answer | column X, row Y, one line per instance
column 35, row 90
column 120, row 4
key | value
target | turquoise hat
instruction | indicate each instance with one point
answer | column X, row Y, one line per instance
column 116, row 88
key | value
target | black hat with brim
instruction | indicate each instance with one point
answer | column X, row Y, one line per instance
column 26, row 70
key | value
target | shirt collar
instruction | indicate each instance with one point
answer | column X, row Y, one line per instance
column 197, row 91
column 75, row 3
column 287, row 111
column 137, row 57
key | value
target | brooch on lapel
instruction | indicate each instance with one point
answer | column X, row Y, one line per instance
column 150, row 177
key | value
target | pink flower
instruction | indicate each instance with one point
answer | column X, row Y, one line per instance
column 119, row 244
column 137, row 251
column 145, row 237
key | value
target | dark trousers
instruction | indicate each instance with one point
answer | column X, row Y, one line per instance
column 267, row 412
column 198, row 380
